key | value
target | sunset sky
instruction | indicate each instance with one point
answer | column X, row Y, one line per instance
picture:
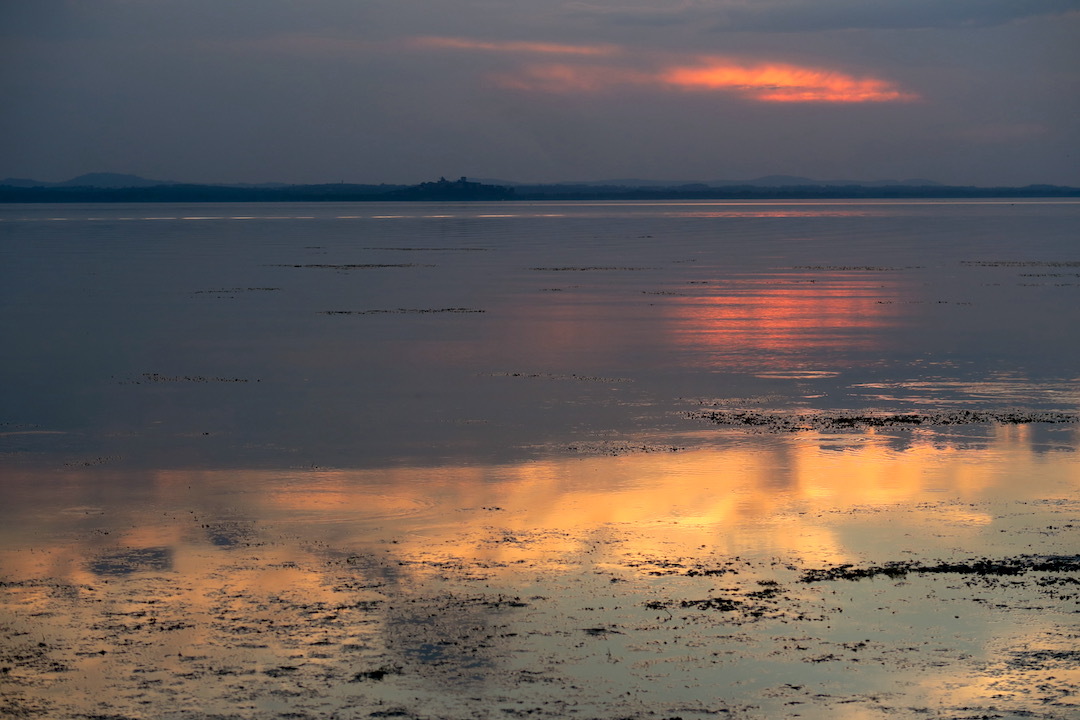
column 971, row 92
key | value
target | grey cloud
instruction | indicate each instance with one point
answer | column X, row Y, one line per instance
column 802, row 16
column 312, row 90
column 66, row 20
column 820, row 15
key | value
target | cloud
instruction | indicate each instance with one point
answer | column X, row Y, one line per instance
column 822, row 15
column 818, row 15
column 517, row 47
column 759, row 81
column 781, row 82
column 1004, row 132
column 566, row 78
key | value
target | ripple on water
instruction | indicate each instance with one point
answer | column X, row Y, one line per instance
column 322, row 505
column 795, row 374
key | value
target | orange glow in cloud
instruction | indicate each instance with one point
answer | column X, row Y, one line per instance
column 763, row 82
column 773, row 82
column 454, row 43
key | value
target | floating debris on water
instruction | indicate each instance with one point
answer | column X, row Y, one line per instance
column 402, row 311
column 230, row 291
column 796, row 422
column 851, row 268
column 351, row 266
column 586, row 268
column 431, row 249
column 983, row 567
column 158, row 378
column 92, row 462
column 557, row 376
column 1021, row 263
column 617, row 449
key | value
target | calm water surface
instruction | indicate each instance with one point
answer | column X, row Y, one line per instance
column 558, row 460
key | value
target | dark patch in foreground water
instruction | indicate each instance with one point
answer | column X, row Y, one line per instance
column 125, row 562
column 797, row 422
column 983, row 567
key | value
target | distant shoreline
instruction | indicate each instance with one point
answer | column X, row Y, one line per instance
column 462, row 190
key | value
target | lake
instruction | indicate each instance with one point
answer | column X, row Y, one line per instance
column 597, row 459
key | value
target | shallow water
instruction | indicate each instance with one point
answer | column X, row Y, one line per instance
column 556, row 460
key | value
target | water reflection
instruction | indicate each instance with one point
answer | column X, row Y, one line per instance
column 230, row 502
column 430, row 589
column 739, row 497
column 783, row 314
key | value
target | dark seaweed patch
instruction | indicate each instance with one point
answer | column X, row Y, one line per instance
column 351, row 266
column 236, row 290
column 586, row 268
column 796, row 422
column 617, row 449
column 377, row 674
column 713, row 603
column 402, row 311
column 159, row 378
column 556, row 376
column 1042, row 659
column 850, row 268
column 92, row 462
column 1021, row 263
column 982, row 567
column 431, row 249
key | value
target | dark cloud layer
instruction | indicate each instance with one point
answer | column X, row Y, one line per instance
column 890, row 14
column 807, row 16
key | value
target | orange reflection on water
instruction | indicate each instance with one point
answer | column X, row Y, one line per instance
column 342, row 572
column 786, row 314
column 775, row 494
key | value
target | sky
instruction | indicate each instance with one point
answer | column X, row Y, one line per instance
column 964, row 92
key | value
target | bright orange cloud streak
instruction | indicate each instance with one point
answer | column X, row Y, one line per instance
column 764, row 82
column 454, row 43
column 783, row 83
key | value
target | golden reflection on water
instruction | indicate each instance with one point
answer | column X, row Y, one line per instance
column 242, row 585
column 774, row 495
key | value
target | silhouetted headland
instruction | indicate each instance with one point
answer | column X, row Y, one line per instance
column 27, row 191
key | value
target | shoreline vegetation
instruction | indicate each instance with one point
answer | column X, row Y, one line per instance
column 465, row 190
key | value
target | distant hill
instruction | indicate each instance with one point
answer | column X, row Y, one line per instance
column 796, row 181
column 116, row 187
column 112, row 180
column 123, row 180
column 94, row 180
column 764, row 181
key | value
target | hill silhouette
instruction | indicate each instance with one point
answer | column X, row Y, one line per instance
column 116, row 187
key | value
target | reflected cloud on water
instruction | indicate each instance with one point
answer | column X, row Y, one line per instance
column 421, row 587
